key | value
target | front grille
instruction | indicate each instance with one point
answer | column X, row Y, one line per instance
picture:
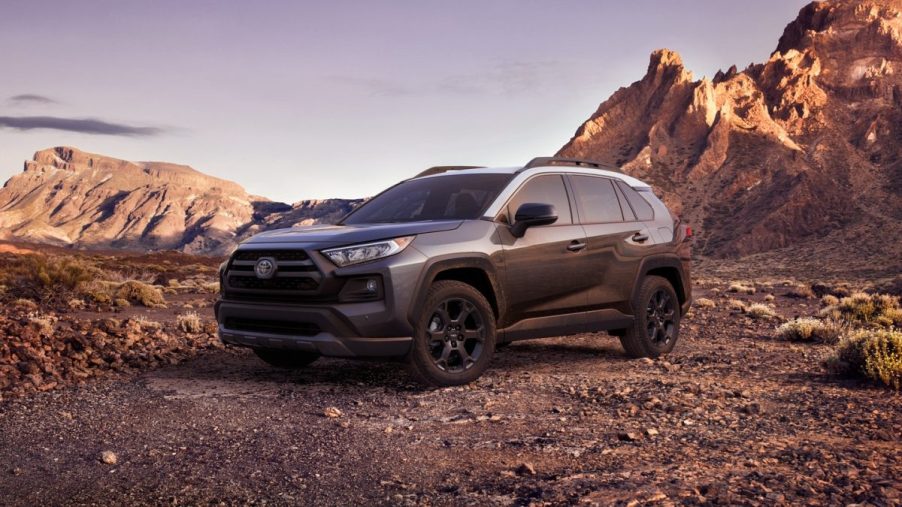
column 252, row 282
column 296, row 278
column 272, row 326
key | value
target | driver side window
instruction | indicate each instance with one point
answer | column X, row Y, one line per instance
column 545, row 189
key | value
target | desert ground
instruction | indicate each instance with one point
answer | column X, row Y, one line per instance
column 151, row 409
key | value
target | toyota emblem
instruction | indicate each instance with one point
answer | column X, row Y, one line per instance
column 265, row 268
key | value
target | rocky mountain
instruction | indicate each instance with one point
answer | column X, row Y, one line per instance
column 69, row 197
column 804, row 147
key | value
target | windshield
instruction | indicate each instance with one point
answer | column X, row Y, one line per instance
column 445, row 197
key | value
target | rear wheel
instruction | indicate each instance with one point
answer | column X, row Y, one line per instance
column 657, row 321
column 289, row 359
column 454, row 337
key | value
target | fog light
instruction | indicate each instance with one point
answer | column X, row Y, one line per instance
column 362, row 289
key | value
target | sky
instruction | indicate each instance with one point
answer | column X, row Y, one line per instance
column 314, row 99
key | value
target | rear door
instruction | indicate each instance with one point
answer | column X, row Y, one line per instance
column 616, row 239
column 545, row 270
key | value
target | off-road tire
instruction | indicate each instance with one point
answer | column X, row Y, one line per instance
column 430, row 340
column 644, row 338
column 288, row 359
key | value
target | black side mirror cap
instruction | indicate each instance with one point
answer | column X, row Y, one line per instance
column 532, row 214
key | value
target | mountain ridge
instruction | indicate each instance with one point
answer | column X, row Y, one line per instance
column 66, row 196
column 764, row 158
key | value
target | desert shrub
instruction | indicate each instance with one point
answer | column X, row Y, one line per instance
column 25, row 304
column 42, row 324
column 800, row 292
column 759, row 311
column 47, row 278
column 808, row 329
column 829, row 300
column 735, row 304
column 873, row 353
column 210, row 287
column 140, row 292
column 121, row 303
column 190, row 322
column 862, row 308
column 741, row 288
column 704, row 303
column 769, row 297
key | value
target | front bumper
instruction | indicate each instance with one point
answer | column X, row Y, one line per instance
column 329, row 330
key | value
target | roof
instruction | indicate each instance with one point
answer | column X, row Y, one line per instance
column 528, row 171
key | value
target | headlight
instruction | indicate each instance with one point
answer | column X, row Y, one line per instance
column 355, row 254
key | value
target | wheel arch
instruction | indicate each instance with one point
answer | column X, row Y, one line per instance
column 476, row 270
column 670, row 268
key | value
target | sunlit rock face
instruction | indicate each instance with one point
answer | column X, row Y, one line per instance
column 67, row 196
column 796, row 148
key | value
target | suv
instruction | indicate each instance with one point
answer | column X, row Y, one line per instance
column 444, row 267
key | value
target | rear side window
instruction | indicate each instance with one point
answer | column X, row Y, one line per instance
column 596, row 199
column 640, row 206
column 547, row 189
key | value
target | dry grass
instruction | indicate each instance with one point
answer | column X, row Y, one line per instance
column 140, row 292
column 866, row 309
column 741, row 288
column 760, row 311
column 46, row 278
column 800, row 292
column 829, row 300
column 872, row 353
column 190, row 322
column 704, row 303
column 809, row 329
column 735, row 304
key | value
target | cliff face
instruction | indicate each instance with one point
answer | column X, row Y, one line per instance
column 793, row 149
column 66, row 196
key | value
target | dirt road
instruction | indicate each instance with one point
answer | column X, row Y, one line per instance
column 733, row 416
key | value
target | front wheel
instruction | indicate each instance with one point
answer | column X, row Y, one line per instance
column 289, row 359
column 454, row 337
column 657, row 320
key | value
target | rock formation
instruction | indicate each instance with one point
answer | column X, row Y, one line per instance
column 66, row 196
column 793, row 149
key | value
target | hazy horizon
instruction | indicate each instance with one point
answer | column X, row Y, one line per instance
column 316, row 100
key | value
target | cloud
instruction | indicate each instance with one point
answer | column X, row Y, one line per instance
column 82, row 125
column 503, row 78
column 31, row 98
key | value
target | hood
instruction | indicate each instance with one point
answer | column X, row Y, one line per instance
column 337, row 235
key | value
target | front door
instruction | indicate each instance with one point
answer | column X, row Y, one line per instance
column 546, row 269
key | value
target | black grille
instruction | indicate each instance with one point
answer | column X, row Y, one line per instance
column 272, row 326
column 296, row 278
column 252, row 282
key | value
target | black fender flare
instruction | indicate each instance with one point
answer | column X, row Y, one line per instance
column 662, row 261
column 471, row 260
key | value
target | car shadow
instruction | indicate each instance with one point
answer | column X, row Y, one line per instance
column 243, row 366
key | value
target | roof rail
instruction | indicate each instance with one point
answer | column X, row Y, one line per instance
column 573, row 162
column 445, row 168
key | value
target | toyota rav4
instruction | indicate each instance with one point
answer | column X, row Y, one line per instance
column 444, row 267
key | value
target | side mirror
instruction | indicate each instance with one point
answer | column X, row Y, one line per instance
column 532, row 214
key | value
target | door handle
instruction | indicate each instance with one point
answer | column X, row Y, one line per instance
column 639, row 237
column 576, row 245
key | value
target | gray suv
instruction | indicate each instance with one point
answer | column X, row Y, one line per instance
column 444, row 267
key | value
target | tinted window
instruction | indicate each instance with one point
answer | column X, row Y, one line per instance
column 547, row 189
column 445, row 197
column 597, row 200
column 628, row 214
column 640, row 206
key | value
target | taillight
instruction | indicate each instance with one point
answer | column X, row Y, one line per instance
column 688, row 231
